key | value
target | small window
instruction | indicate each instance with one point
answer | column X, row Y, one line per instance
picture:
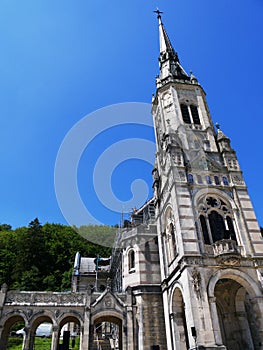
column 195, row 114
column 208, row 180
column 199, row 179
column 190, row 179
column 185, row 114
column 131, row 259
column 217, row 182
column 225, row 181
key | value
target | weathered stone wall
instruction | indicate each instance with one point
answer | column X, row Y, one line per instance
column 150, row 321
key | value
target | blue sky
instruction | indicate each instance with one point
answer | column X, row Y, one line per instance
column 62, row 60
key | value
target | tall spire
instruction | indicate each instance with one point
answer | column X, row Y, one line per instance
column 165, row 43
column 169, row 61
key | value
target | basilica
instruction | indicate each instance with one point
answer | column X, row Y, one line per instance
column 187, row 271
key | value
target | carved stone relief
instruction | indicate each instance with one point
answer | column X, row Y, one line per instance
column 108, row 302
column 168, row 102
column 238, row 180
column 196, row 280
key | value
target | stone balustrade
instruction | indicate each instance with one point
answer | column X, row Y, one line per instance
column 226, row 246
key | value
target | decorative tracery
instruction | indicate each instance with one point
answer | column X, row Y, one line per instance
column 216, row 220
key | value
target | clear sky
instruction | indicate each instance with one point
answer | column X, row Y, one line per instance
column 62, row 60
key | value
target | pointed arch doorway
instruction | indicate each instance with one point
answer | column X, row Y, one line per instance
column 178, row 318
column 107, row 331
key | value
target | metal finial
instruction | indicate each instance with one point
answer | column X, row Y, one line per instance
column 158, row 12
column 217, row 126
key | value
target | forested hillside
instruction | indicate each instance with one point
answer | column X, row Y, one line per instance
column 41, row 257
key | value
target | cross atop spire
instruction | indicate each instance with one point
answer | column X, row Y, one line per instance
column 169, row 62
column 158, row 13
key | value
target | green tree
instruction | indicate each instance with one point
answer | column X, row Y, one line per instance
column 5, row 227
column 41, row 257
column 8, row 256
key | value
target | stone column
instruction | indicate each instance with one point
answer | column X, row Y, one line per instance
column 257, row 303
column 55, row 338
column 215, row 321
column 173, row 330
column 28, row 342
column 244, row 329
column 85, row 333
column 81, row 339
column 205, row 321
column 90, row 337
column 130, row 328
column 3, row 338
column 140, row 322
column 167, row 321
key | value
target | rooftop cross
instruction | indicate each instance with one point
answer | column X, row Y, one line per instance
column 158, row 13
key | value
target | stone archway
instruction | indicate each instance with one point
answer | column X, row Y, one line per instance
column 37, row 320
column 237, row 317
column 73, row 330
column 180, row 333
column 9, row 322
column 108, row 330
column 236, row 310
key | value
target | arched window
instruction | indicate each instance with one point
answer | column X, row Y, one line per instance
column 190, row 114
column 185, row 114
column 195, row 114
column 208, row 180
column 225, row 180
column 217, row 182
column 216, row 220
column 190, row 179
column 131, row 260
column 217, row 226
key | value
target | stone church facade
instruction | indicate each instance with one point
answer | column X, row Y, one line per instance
column 187, row 273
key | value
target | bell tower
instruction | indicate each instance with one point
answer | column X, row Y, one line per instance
column 210, row 245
